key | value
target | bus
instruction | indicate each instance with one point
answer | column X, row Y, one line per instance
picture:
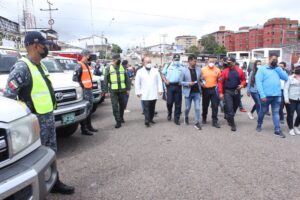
column 264, row 53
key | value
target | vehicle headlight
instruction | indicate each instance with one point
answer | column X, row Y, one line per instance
column 24, row 132
column 79, row 92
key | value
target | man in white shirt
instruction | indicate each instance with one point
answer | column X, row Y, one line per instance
column 148, row 85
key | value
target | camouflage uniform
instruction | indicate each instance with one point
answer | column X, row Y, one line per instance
column 20, row 82
column 118, row 97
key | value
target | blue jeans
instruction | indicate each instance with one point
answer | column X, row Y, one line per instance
column 275, row 105
column 256, row 99
column 188, row 102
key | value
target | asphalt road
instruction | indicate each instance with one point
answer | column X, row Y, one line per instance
column 167, row 161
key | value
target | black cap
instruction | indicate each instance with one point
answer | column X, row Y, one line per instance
column 35, row 37
column 176, row 57
column 85, row 52
column 116, row 57
column 231, row 59
column 124, row 62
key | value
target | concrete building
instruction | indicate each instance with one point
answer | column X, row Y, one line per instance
column 230, row 41
column 220, row 35
column 280, row 32
column 256, row 37
column 186, row 41
column 241, row 39
column 9, row 33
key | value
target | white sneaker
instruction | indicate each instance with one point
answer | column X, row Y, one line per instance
column 127, row 111
column 292, row 132
column 250, row 115
column 297, row 130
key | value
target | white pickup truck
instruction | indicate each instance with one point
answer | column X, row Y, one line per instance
column 27, row 169
column 71, row 108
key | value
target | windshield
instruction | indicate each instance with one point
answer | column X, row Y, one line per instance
column 52, row 66
column 7, row 59
column 67, row 64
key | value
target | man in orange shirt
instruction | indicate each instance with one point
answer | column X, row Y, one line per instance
column 210, row 76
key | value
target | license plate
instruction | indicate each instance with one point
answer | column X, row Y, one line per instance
column 68, row 118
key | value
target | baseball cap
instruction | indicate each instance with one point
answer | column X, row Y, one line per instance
column 176, row 57
column 116, row 57
column 231, row 59
column 124, row 62
column 85, row 52
column 35, row 37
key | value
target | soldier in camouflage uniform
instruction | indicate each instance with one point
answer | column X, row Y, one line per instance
column 118, row 88
column 19, row 86
column 83, row 75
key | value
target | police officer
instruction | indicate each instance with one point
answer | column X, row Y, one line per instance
column 171, row 75
column 29, row 82
column 83, row 75
column 117, row 82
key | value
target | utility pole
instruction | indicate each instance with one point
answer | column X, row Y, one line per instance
column 51, row 21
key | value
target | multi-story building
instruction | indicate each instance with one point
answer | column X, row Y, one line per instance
column 280, row 32
column 230, row 41
column 9, row 33
column 186, row 41
column 256, row 37
column 241, row 39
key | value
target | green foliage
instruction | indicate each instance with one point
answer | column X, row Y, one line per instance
column 116, row 49
column 211, row 46
column 193, row 50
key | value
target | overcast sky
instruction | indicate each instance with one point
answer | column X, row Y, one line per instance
column 137, row 21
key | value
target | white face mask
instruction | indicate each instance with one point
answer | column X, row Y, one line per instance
column 258, row 66
column 148, row 66
column 211, row 64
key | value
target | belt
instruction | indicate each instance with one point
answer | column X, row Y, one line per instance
column 210, row 88
column 231, row 89
column 174, row 84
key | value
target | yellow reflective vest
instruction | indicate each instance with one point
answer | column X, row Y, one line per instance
column 40, row 93
column 114, row 78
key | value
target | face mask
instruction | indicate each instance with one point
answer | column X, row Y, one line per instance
column 211, row 64
column 44, row 55
column 297, row 71
column 258, row 66
column 274, row 63
column 148, row 66
column 177, row 63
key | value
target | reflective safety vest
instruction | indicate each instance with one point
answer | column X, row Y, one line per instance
column 114, row 78
column 86, row 77
column 40, row 93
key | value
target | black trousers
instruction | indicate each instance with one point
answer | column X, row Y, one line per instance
column 149, row 109
column 210, row 95
column 232, row 100
column 174, row 96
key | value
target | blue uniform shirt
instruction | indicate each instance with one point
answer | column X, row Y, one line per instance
column 173, row 72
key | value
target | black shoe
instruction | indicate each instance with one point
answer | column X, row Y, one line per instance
column 186, row 120
column 118, row 125
column 169, row 117
column 62, row 188
column 92, row 129
column 204, row 121
column 176, row 121
column 279, row 134
column 216, row 124
column 198, row 126
column 86, row 132
column 155, row 113
column 153, row 122
column 147, row 124
column 233, row 127
column 122, row 121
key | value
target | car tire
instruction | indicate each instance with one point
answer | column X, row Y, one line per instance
column 67, row 131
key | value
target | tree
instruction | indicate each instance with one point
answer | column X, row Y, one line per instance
column 116, row 49
column 220, row 50
column 193, row 50
column 209, row 43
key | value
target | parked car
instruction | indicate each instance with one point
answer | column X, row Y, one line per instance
column 27, row 169
column 69, row 65
column 71, row 108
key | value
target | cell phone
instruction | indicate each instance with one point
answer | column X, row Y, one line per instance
column 195, row 81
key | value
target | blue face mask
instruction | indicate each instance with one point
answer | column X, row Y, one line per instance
column 176, row 63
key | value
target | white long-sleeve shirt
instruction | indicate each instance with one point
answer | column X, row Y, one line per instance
column 148, row 84
column 291, row 89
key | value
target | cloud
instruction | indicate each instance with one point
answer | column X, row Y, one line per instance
column 138, row 21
